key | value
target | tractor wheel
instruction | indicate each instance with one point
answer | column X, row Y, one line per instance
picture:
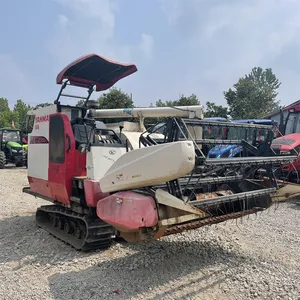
column 25, row 159
column 2, row 159
column 19, row 164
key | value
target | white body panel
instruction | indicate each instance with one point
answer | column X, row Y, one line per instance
column 100, row 159
column 132, row 138
column 38, row 154
column 134, row 128
column 38, row 161
column 127, row 126
column 149, row 166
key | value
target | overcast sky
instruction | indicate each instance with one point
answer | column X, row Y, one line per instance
column 179, row 46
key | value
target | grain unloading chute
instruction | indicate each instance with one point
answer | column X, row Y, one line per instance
column 100, row 189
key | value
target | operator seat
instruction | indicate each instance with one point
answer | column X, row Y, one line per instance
column 108, row 136
column 81, row 134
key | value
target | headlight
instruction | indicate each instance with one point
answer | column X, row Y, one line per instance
column 18, row 150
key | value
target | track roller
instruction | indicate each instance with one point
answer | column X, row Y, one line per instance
column 83, row 232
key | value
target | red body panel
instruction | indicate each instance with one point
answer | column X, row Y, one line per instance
column 93, row 192
column 40, row 186
column 292, row 108
column 295, row 166
column 128, row 210
column 47, row 189
column 282, row 140
column 289, row 147
column 60, row 175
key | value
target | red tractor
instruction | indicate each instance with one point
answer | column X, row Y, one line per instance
column 289, row 144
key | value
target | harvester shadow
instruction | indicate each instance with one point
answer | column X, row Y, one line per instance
column 21, row 240
column 177, row 266
column 146, row 266
column 295, row 205
column 13, row 167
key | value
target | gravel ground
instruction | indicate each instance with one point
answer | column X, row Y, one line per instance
column 257, row 258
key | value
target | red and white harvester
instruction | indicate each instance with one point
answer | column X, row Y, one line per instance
column 101, row 188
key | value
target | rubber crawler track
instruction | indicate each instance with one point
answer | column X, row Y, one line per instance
column 83, row 232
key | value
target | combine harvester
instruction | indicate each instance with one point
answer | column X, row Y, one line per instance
column 101, row 189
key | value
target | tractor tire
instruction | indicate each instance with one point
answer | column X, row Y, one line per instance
column 25, row 159
column 19, row 164
column 2, row 159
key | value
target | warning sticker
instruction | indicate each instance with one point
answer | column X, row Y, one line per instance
column 120, row 177
column 136, row 176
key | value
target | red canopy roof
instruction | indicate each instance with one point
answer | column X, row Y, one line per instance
column 93, row 69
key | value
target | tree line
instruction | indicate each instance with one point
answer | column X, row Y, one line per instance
column 252, row 96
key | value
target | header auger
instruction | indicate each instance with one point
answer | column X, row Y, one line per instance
column 100, row 188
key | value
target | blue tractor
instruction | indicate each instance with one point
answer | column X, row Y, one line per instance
column 229, row 151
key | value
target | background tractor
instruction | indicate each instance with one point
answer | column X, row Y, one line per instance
column 11, row 147
column 255, row 136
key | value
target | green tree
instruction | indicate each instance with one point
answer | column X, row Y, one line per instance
column 20, row 111
column 42, row 105
column 182, row 101
column 80, row 102
column 214, row 110
column 6, row 115
column 254, row 95
column 115, row 98
column 4, row 105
